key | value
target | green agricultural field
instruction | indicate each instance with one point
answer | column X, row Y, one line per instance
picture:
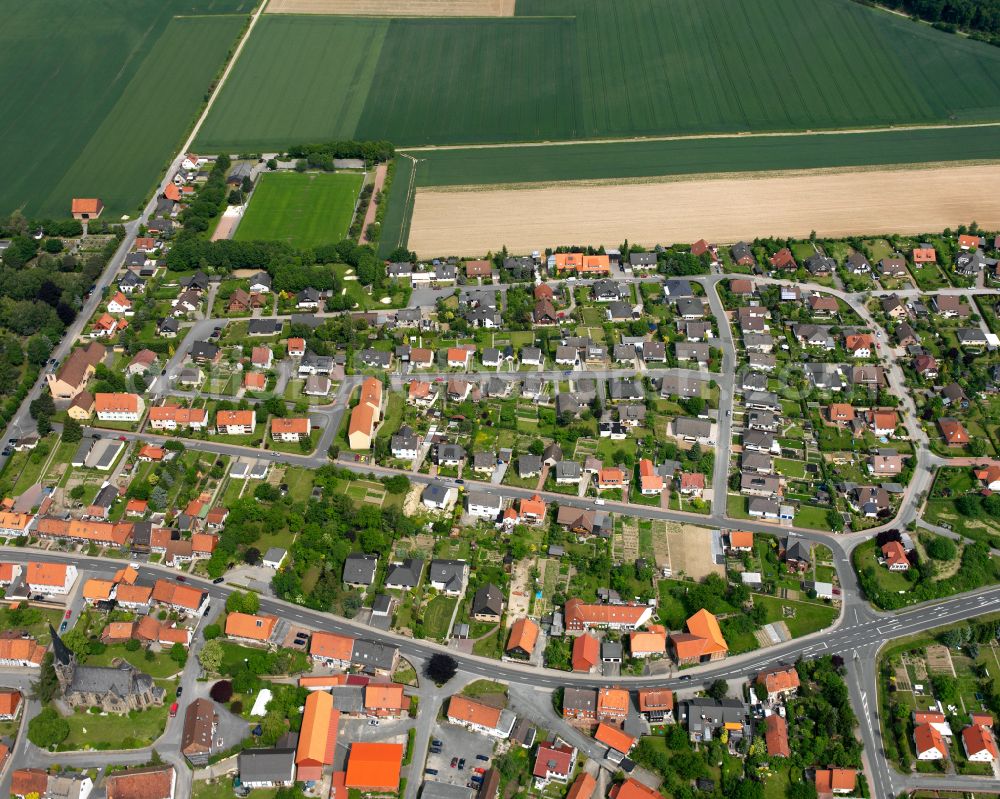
column 687, row 156
column 304, row 209
column 97, row 96
column 571, row 69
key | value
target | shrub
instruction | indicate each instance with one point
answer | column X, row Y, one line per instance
column 222, row 691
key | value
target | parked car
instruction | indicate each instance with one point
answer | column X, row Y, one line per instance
column 484, row 758
column 173, row 710
column 454, row 762
column 218, row 580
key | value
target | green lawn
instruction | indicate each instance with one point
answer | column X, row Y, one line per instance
column 681, row 67
column 437, row 616
column 304, row 209
column 159, row 667
column 223, row 789
column 81, row 77
column 132, row 731
column 809, row 616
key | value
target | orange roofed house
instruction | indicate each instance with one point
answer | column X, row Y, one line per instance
column 50, row 578
column 830, row 781
column 703, row 642
column 580, row 616
column 386, row 700
column 614, row 738
column 21, row 652
column 170, row 417
column 84, row 208
column 184, row 598
column 317, row 737
column 291, row 429
column 778, row 682
column 155, row 782
column 648, row 643
column 76, row 370
column 366, row 415
column 740, row 541
column 480, row 717
column 633, row 789
column 374, row 767
column 119, row 407
column 612, row 705
column 330, row 649
column 236, row 423
column 250, row 628
column 523, row 636
column 586, row 652
column 657, row 705
column 776, row 736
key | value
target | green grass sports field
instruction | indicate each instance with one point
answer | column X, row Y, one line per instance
column 572, row 69
column 304, row 209
column 98, row 95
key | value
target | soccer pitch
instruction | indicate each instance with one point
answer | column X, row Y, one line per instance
column 305, row 209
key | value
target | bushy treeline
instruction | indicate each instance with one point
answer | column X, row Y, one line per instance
column 981, row 16
column 291, row 269
column 320, row 156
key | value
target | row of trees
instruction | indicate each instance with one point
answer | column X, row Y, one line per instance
column 321, row 156
column 981, row 16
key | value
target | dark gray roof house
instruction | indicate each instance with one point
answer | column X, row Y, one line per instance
column 265, row 767
column 529, row 465
column 707, row 717
column 488, row 601
column 448, row 575
column 359, row 569
column 642, row 259
column 625, row 389
column 376, row 358
column 373, row 655
column 203, row 351
column 264, row 327
column 405, row 575
column 678, row 287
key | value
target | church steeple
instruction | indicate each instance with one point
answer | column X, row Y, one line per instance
column 63, row 655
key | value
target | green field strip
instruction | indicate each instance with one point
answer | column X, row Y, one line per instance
column 396, row 222
column 690, row 156
column 502, row 79
column 299, row 79
column 128, row 152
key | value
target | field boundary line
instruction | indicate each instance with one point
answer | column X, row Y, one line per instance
column 225, row 75
column 776, row 134
column 703, row 176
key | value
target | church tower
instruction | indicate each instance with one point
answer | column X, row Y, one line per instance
column 63, row 660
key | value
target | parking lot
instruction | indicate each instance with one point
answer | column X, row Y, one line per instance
column 458, row 742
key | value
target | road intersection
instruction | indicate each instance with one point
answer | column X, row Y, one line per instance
column 856, row 635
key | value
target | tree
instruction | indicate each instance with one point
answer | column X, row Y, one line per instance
column 178, row 654
column 210, row 656
column 941, row 548
column 222, row 691
column 77, row 491
column 211, row 632
column 441, row 668
column 252, row 556
column 48, row 728
column 718, row 689
column 72, row 431
column 47, row 686
column 38, row 348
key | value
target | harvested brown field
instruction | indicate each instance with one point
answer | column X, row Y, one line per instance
column 395, row 8
column 470, row 221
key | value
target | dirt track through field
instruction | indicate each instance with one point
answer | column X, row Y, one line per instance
column 395, row 8
column 470, row 221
